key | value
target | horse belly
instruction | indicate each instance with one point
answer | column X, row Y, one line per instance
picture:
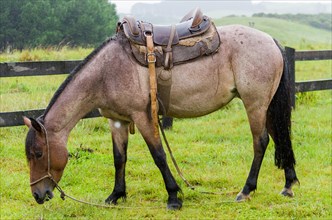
column 200, row 87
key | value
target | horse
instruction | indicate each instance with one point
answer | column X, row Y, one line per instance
column 249, row 65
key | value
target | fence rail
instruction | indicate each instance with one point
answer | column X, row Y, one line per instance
column 313, row 55
column 309, row 86
column 40, row 68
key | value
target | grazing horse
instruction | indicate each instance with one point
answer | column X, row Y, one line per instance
column 249, row 65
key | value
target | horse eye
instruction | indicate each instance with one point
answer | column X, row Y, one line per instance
column 39, row 154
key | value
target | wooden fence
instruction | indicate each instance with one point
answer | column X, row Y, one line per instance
column 307, row 86
column 40, row 68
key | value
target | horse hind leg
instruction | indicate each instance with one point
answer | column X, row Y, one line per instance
column 120, row 142
column 282, row 139
column 257, row 121
column 145, row 126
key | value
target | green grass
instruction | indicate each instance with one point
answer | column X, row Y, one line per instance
column 215, row 154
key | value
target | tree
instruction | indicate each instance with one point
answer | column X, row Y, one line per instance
column 54, row 22
column 9, row 22
column 82, row 23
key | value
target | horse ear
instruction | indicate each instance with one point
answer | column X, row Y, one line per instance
column 35, row 124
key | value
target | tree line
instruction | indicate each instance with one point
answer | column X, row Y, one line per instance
column 35, row 23
column 322, row 20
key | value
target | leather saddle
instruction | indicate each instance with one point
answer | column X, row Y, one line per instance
column 193, row 37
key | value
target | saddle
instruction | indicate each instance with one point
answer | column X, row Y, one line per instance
column 193, row 37
column 159, row 45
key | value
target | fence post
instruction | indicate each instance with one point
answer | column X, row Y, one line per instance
column 290, row 56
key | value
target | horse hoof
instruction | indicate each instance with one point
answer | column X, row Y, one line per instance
column 110, row 201
column 287, row 192
column 174, row 204
column 242, row 197
column 113, row 198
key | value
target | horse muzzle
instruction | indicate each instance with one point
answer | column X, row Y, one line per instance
column 42, row 197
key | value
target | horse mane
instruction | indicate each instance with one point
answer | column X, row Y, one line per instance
column 72, row 74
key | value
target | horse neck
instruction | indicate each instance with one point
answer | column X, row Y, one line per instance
column 72, row 105
column 79, row 97
column 86, row 90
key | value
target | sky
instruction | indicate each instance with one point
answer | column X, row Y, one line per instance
column 124, row 6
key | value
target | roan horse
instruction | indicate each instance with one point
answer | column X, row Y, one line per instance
column 249, row 65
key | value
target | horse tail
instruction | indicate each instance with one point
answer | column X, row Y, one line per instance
column 279, row 119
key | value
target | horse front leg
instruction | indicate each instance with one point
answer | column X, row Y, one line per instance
column 144, row 125
column 120, row 142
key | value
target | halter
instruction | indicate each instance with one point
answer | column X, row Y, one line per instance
column 48, row 175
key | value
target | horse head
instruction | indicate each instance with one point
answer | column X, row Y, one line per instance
column 47, row 157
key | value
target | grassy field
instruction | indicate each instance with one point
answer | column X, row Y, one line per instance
column 215, row 154
column 291, row 34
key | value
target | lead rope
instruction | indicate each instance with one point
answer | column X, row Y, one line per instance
column 63, row 194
